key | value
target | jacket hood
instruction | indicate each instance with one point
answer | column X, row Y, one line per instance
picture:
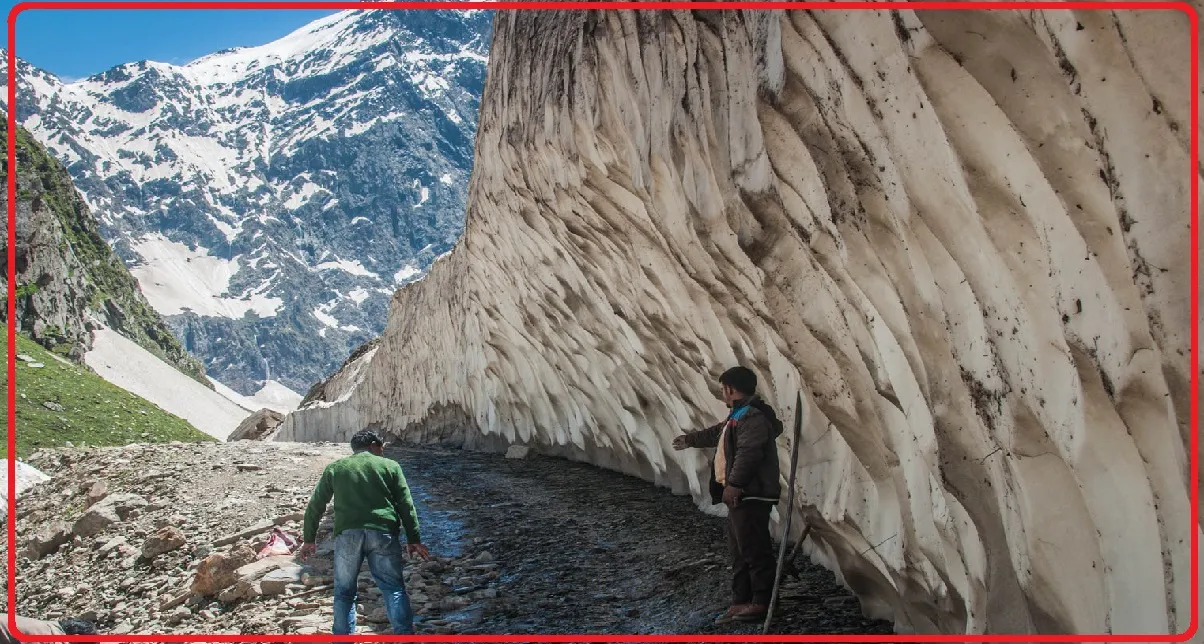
column 763, row 407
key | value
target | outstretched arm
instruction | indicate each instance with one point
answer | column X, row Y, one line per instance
column 708, row 437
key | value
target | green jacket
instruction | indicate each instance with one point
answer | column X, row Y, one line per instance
column 369, row 492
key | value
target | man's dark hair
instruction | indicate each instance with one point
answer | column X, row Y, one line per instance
column 77, row 627
column 742, row 379
column 365, row 439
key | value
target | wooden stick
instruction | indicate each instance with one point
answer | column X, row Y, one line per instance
column 310, row 591
column 798, row 545
column 798, row 435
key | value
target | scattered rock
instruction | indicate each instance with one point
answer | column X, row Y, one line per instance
column 518, row 451
column 277, row 581
column 257, row 529
column 48, row 540
column 289, row 518
column 171, row 602
column 170, row 547
column 51, row 405
column 257, row 426
column 243, row 589
column 257, row 569
column 97, row 491
column 219, row 571
column 178, row 615
column 95, row 520
column 163, row 541
column 111, row 545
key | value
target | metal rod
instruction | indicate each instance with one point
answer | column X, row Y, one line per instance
column 798, row 435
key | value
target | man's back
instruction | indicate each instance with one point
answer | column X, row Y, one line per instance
column 369, row 492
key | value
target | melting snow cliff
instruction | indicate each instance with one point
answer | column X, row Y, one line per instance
column 964, row 235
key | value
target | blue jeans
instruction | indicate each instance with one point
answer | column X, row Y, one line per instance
column 386, row 559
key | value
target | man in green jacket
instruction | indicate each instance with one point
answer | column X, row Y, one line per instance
column 372, row 503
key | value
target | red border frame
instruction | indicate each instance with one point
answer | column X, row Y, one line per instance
column 609, row 4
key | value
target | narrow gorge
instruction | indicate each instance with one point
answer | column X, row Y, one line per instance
column 963, row 235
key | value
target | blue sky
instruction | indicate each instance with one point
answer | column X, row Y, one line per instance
column 78, row 43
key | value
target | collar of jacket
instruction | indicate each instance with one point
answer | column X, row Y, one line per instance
column 744, row 402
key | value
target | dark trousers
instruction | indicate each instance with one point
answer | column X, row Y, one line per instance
column 751, row 549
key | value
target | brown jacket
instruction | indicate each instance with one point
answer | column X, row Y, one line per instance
column 751, row 451
column 27, row 626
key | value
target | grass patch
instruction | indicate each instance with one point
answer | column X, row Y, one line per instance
column 94, row 411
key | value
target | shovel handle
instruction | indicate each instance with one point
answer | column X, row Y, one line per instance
column 777, row 578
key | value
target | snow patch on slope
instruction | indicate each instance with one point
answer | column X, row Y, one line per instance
column 272, row 395
column 322, row 313
column 123, row 363
column 27, row 477
column 406, row 274
column 230, row 66
column 302, row 196
column 175, row 278
column 353, row 267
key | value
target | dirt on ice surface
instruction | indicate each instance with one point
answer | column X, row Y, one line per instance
column 537, row 545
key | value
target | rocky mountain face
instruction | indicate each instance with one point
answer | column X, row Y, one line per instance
column 962, row 235
column 270, row 199
column 68, row 279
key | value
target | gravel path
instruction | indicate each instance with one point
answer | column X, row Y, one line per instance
column 585, row 550
column 538, row 545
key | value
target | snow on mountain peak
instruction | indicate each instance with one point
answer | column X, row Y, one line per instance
column 336, row 33
column 224, row 181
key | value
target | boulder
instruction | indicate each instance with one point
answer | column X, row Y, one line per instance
column 257, row 426
column 518, row 451
column 277, row 581
column 47, row 540
column 96, row 492
column 164, row 540
column 219, row 571
column 111, row 510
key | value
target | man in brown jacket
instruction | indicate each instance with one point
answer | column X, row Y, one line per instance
column 744, row 477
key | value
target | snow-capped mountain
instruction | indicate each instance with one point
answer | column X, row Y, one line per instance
column 271, row 199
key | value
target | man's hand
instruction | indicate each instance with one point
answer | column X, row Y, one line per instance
column 731, row 496
column 306, row 551
column 679, row 443
column 418, row 550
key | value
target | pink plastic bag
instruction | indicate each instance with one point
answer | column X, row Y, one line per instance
column 280, row 543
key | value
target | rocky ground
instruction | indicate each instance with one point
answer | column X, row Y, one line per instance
column 163, row 539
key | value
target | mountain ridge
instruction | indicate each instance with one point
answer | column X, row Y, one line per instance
column 270, row 199
column 69, row 282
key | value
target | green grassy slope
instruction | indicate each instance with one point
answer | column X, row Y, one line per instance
column 95, row 412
